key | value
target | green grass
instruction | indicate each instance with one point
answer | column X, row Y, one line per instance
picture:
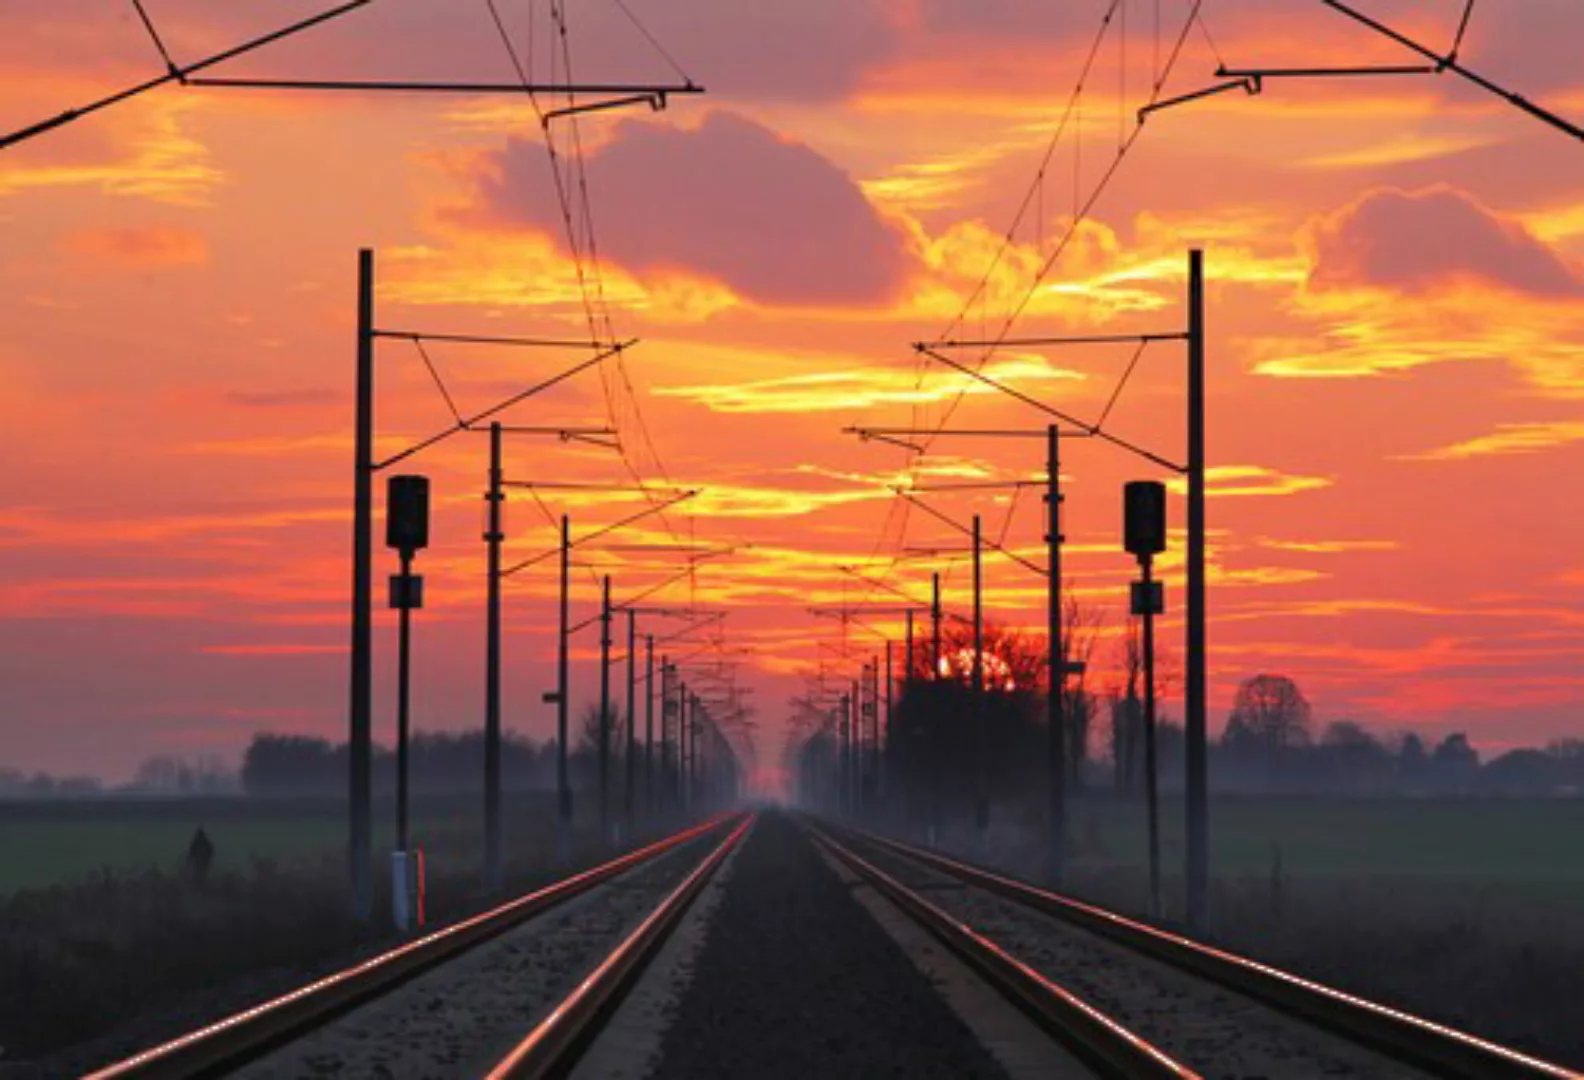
column 49, row 843
column 1466, row 911
column 1513, row 841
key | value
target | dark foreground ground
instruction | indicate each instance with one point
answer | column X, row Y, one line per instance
column 796, row 980
column 99, row 964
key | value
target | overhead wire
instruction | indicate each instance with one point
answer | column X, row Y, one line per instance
column 1071, row 120
column 570, row 175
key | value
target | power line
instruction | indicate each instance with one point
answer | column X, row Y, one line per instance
column 177, row 73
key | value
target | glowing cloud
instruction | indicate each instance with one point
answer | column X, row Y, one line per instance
column 856, row 388
column 1222, row 481
column 147, row 247
column 730, row 200
column 1525, row 438
column 1414, row 241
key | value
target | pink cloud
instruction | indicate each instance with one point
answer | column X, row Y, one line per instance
column 150, row 246
column 1417, row 240
column 730, row 200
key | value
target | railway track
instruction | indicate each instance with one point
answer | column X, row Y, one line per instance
column 517, row 991
column 1131, row 1000
column 1049, row 986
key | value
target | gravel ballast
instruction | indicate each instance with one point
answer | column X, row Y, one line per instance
column 461, row 1018
column 796, row 980
column 1224, row 1035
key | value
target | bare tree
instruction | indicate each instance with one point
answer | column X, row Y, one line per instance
column 1081, row 627
column 1270, row 713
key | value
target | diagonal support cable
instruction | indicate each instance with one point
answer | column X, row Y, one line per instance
column 1438, row 64
column 1033, row 567
column 178, row 74
column 467, row 423
column 597, row 533
column 1090, row 429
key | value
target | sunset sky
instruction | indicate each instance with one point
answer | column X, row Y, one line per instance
column 1396, row 351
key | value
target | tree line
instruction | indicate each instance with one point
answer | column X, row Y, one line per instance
column 935, row 754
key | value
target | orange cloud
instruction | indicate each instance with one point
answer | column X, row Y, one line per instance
column 1516, row 438
column 152, row 157
column 1327, row 547
column 859, row 388
column 142, row 247
column 1413, row 241
column 1225, row 481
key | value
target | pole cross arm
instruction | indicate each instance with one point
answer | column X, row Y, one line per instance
column 1094, row 431
column 594, row 345
column 623, row 523
column 1253, row 78
column 1250, row 84
column 631, row 605
column 625, row 92
column 1027, row 564
column 700, row 622
column 471, row 423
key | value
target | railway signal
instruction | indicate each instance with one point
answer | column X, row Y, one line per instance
column 407, row 532
column 1144, row 537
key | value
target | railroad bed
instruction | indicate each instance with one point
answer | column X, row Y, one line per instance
column 772, row 946
column 508, row 992
column 1199, row 1011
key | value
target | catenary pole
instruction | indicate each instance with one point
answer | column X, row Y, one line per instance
column 492, row 671
column 563, row 693
column 1056, row 721
column 632, row 708
column 935, row 626
column 981, row 805
column 604, row 713
column 360, row 840
column 649, row 696
column 1198, row 806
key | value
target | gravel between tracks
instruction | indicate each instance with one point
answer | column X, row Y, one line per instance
column 1224, row 1035
column 461, row 1018
column 796, row 980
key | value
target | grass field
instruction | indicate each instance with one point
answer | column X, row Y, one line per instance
column 106, row 946
column 1467, row 911
column 47, row 843
column 1518, row 841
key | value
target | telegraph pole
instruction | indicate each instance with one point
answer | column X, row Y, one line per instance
column 981, row 805
column 682, row 748
column 632, row 733
column 844, row 777
column 492, row 671
column 563, row 784
column 935, row 626
column 360, row 845
column 667, row 722
column 1198, row 869
column 693, row 734
column 907, row 663
column 604, row 717
column 1056, row 721
column 649, row 696
column 873, row 793
column 879, row 759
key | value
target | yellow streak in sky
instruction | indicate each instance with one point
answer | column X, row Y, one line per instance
column 1519, row 438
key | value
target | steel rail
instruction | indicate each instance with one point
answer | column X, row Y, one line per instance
column 224, row 1045
column 555, row 1044
column 1398, row 1034
column 1100, row 1041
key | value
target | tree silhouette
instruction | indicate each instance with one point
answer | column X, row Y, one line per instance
column 1269, row 715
